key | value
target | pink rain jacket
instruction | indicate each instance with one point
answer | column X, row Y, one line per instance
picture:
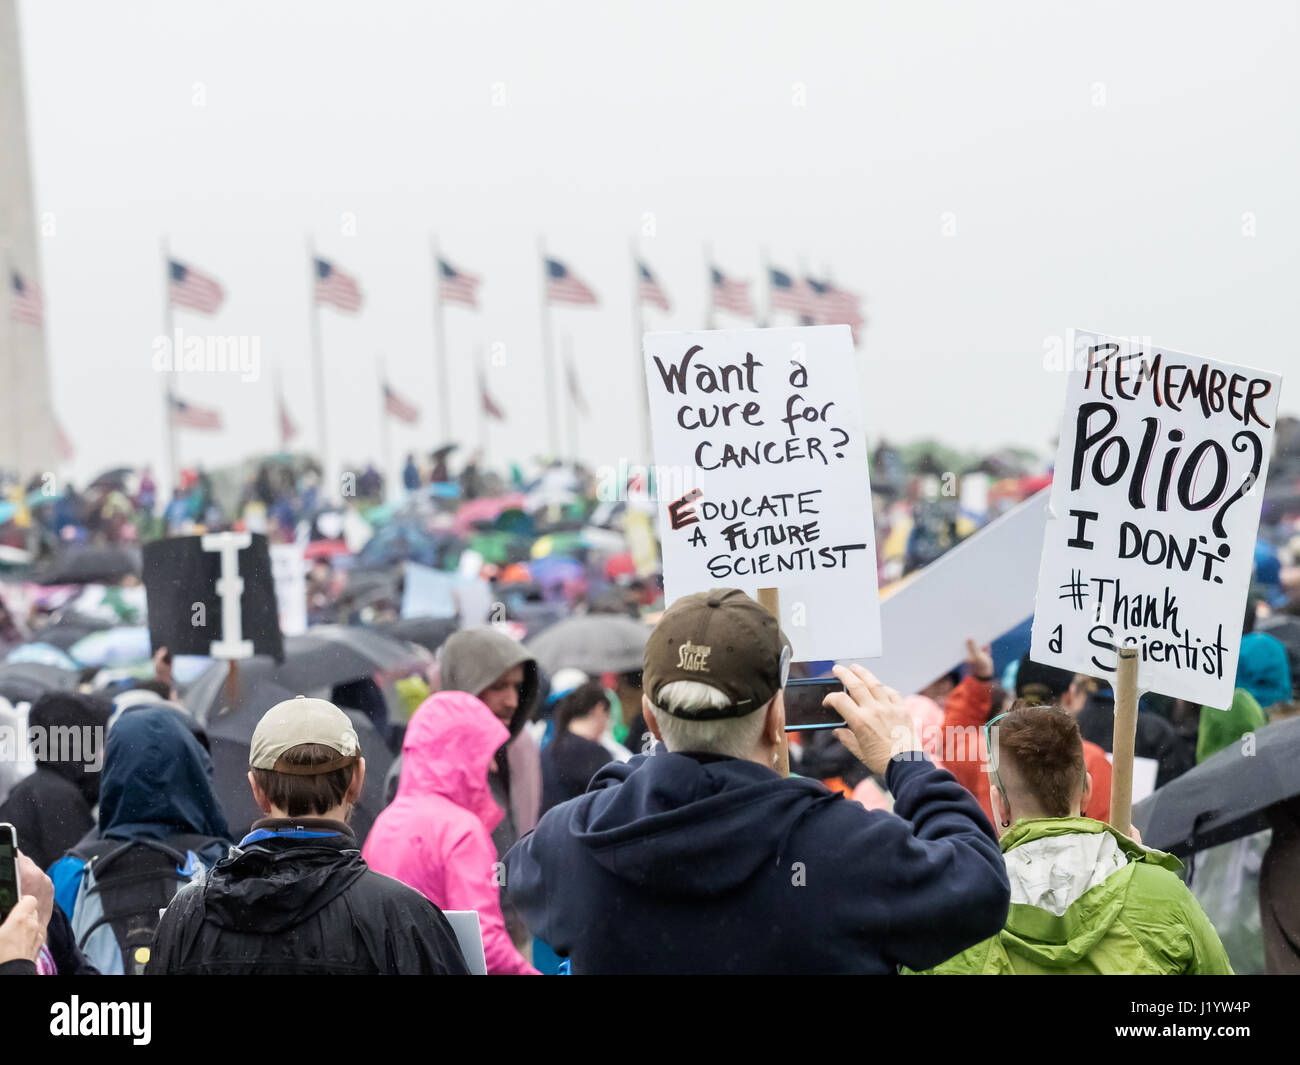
column 437, row 834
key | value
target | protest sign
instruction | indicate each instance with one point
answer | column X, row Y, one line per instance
column 427, row 592
column 1154, row 511
column 289, row 572
column 762, row 477
column 212, row 595
column 977, row 590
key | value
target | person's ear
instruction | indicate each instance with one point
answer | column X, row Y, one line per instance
column 259, row 796
column 774, row 726
column 648, row 712
column 1087, row 792
column 358, row 782
column 1001, row 809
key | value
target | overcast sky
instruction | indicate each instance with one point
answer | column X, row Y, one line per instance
column 987, row 175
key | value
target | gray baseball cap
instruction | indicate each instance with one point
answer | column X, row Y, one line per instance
column 301, row 720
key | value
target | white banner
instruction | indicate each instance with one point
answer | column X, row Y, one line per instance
column 762, row 477
column 1154, row 511
column 289, row 572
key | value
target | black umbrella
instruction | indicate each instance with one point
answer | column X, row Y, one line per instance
column 1223, row 798
column 114, row 480
column 91, row 565
column 429, row 633
column 230, row 736
column 70, row 628
column 24, row 682
column 323, row 658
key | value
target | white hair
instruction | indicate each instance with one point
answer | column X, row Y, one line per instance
column 734, row 737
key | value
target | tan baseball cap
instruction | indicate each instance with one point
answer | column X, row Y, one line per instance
column 723, row 638
column 302, row 720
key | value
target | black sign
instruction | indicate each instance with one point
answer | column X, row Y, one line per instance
column 185, row 607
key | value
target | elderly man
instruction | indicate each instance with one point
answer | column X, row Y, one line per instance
column 702, row 857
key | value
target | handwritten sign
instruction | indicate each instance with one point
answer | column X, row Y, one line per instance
column 1154, row 510
column 762, row 477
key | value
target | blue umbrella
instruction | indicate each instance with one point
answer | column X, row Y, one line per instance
column 43, row 653
column 113, row 647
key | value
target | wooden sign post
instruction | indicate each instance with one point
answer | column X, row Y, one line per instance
column 1125, row 737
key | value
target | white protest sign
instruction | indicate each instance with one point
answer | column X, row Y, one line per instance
column 230, row 587
column 762, row 477
column 427, row 592
column 978, row 590
column 289, row 572
column 1154, row 510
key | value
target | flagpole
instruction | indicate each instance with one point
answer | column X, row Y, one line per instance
column 169, row 331
column 572, row 405
column 548, row 358
column 708, row 278
column 441, row 369
column 482, row 403
column 638, row 341
column 385, row 430
column 318, row 373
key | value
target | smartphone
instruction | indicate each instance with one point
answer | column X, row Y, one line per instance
column 11, row 889
column 803, row 705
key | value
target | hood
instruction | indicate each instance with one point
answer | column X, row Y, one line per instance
column 473, row 660
column 1222, row 728
column 71, row 710
column 157, row 780
column 278, row 884
column 688, row 827
column 448, row 747
column 1263, row 670
column 1069, row 880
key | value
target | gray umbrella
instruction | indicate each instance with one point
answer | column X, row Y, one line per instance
column 593, row 643
column 25, row 682
column 1224, row 798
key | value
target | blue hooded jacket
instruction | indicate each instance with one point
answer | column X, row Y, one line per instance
column 157, row 784
column 677, row 863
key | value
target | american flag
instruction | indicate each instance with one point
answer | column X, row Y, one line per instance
column 490, row 407
column 61, row 441
column 189, row 288
column 791, row 294
column 650, row 290
column 840, row 307
column 288, row 429
column 188, row 416
column 733, row 296
column 334, row 286
column 563, row 287
column 455, row 287
column 399, row 408
column 28, row 304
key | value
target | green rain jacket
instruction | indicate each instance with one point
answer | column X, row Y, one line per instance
column 1087, row 900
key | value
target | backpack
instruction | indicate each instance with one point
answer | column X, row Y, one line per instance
column 125, row 886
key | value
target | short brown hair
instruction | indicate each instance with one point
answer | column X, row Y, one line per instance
column 1044, row 744
column 306, row 796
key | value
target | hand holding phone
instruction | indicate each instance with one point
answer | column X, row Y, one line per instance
column 805, row 705
column 879, row 727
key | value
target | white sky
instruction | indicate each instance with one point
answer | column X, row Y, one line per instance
column 1097, row 161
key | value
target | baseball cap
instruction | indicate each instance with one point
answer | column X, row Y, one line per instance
column 301, row 720
column 722, row 638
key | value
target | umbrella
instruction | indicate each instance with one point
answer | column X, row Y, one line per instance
column 593, row 643
column 429, row 633
column 488, row 509
column 113, row 647
column 405, row 542
column 43, row 654
column 92, row 565
column 231, row 735
column 555, row 569
column 112, row 479
column 24, row 682
column 320, row 659
column 514, row 521
column 70, row 628
column 1223, row 798
column 499, row 547
column 557, row 543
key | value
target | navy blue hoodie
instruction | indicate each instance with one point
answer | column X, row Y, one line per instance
column 677, row 863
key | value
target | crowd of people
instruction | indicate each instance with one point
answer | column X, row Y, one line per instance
column 654, row 817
